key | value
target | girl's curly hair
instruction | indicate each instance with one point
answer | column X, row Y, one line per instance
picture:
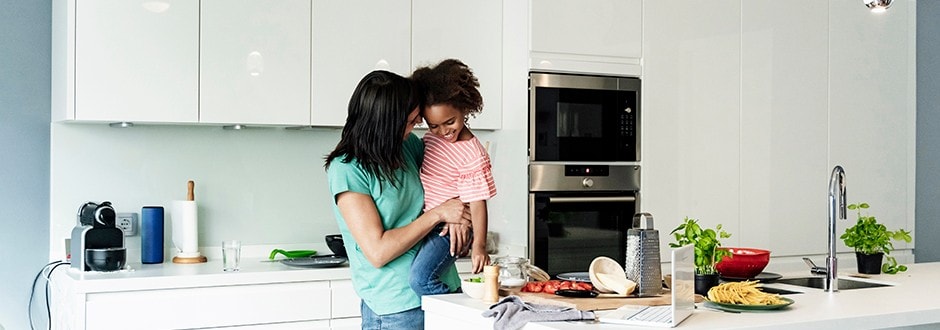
column 450, row 82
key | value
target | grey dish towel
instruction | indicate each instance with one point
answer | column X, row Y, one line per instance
column 512, row 313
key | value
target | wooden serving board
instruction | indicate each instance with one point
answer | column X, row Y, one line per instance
column 598, row 303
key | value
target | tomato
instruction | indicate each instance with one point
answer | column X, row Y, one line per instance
column 551, row 286
column 582, row 286
column 532, row 287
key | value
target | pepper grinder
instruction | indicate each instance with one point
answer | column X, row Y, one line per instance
column 491, row 281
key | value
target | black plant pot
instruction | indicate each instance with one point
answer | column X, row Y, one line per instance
column 869, row 263
column 705, row 282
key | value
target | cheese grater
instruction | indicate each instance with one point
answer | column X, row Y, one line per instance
column 642, row 264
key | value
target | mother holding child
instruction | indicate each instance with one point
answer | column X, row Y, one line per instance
column 410, row 211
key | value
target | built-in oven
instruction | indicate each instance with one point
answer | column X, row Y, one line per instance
column 583, row 118
column 578, row 212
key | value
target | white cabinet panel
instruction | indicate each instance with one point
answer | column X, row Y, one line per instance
column 872, row 105
column 255, row 62
column 470, row 31
column 353, row 323
column 345, row 301
column 784, row 127
column 598, row 36
column 134, row 60
column 350, row 39
column 209, row 306
column 691, row 113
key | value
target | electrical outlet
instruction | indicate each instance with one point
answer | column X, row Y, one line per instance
column 127, row 222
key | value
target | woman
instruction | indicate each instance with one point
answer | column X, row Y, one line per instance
column 373, row 175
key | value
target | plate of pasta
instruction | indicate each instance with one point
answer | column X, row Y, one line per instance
column 744, row 296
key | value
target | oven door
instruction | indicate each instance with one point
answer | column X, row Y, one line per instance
column 570, row 229
column 583, row 118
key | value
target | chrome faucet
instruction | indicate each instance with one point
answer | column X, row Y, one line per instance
column 836, row 209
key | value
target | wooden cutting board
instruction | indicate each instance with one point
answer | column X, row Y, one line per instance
column 588, row 304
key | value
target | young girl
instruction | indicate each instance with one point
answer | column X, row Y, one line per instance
column 455, row 166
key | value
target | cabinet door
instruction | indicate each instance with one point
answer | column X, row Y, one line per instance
column 596, row 27
column 350, row 39
column 470, row 31
column 784, row 84
column 255, row 62
column 136, row 60
column 345, row 301
column 691, row 113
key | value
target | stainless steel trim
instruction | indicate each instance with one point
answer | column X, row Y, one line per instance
column 551, row 177
column 590, row 199
column 531, row 246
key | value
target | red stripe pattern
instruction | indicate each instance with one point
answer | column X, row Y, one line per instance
column 455, row 170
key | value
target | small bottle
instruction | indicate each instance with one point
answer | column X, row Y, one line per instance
column 491, row 281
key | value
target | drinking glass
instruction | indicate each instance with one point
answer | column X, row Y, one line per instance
column 231, row 254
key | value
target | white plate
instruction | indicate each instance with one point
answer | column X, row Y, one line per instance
column 575, row 276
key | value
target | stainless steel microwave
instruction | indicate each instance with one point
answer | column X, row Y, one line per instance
column 583, row 118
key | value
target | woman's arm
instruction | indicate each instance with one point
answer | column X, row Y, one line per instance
column 381, row 246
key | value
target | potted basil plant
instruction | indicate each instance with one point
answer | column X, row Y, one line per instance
column 707, row 254
column 872, row 243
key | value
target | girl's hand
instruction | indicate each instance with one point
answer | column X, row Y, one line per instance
column 460, row 238
column 480, row 259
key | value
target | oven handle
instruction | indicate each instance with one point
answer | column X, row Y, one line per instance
column 591, row 199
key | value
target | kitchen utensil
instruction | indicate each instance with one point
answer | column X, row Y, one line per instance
column 336, row 244
column 576, row 293
column 764, row 277
column 743, row 262
column 642, row 263
column 292, row 254
column 184, row 217
column 604, row 265
column 106, row 259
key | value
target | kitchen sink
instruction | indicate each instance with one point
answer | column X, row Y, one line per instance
column 819, row 282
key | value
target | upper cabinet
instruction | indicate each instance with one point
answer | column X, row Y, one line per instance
column 470, row 31
column 350, row 39
column 599, row 36
column 126, row 60
column 254, row 62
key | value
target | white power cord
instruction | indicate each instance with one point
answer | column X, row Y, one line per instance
column 46, row 273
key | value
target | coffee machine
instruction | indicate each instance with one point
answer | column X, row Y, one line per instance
column 96, row 235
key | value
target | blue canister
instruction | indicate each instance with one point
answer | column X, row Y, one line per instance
column 151, row 235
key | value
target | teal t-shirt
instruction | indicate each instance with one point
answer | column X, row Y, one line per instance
column 385, row 290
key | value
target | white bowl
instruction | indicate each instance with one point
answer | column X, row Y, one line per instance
column 608, row 276
column 473, row 289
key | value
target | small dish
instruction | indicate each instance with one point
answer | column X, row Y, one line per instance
column 575, row 276
column 764, row 277
column 325, row 261
column 748, row 308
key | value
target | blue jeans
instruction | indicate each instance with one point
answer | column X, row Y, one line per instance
column 412, row 319
column 431, row 261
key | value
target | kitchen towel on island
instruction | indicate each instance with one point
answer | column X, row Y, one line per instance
column 512, row 313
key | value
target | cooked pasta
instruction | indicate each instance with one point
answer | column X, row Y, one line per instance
column 742, row 293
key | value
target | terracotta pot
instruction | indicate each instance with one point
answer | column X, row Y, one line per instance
column 705, row 282
column 869, row 263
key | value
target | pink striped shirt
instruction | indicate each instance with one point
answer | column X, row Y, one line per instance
column 461, row 169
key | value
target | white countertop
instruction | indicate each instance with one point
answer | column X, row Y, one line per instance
column 168, row 275
column 908, row 302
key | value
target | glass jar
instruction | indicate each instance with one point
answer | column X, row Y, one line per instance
column 512, row 272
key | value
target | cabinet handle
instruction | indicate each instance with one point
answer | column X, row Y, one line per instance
column 591, row 199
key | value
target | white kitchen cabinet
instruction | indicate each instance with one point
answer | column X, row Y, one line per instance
column 345, row 301
column 599, row 36
column 254, row 62
column 125, row 60
column 470, row 31
column 350, row 39
column 203, row 307
column 784, row 127
column 691, row 127
column 872, row 107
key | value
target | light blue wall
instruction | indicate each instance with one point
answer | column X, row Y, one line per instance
column 24, row 153
column 927, row 226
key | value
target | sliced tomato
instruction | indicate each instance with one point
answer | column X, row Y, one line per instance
column 532, row 287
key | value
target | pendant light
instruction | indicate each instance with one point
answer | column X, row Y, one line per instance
column 877, row 6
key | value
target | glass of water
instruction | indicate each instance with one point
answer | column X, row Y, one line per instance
column 231, row 254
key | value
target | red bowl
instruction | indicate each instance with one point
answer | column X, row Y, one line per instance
column 743, row 262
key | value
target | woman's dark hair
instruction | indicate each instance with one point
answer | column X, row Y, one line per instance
column 450, row 82
column 375, row 124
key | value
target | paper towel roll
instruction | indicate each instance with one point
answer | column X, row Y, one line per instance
column 185, row 228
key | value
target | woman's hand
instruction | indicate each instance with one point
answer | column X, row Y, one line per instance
column 452, row 211
column 460, row 238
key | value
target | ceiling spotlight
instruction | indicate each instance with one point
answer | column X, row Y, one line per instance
column 877, row 6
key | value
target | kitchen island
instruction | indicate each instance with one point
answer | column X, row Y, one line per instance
column 908, row 302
